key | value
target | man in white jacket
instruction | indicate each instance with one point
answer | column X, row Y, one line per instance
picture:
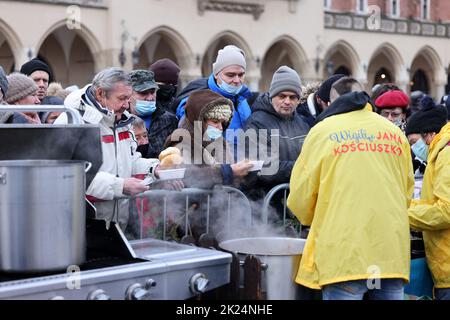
column 105, row 103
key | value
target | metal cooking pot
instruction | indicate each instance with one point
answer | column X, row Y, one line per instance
column 280, row 258
column 42, row 215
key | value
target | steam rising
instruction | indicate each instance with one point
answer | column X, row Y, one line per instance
column 231, row 216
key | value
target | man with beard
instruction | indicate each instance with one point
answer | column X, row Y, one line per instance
column 275, row 111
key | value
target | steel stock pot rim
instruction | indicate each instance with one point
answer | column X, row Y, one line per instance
column 258, row 246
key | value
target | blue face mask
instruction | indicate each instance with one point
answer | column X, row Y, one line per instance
column 213, row 133
column 420, row 149
column 145, row 108
column 228, row 88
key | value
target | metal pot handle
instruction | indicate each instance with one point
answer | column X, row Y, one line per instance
column 88, row 166
column 264, row 266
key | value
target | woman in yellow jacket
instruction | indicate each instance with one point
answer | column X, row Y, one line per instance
column 431, row 214
column 352, row 184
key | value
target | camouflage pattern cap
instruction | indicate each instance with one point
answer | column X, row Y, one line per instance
column 143, row 80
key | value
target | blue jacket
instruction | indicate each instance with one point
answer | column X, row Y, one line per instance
column 241, row 108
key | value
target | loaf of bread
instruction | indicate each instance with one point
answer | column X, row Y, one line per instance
column 169, row 151
column 170, row 158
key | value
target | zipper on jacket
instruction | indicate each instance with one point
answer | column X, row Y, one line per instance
column 115, row 149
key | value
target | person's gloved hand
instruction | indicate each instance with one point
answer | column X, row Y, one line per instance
column 170, row 158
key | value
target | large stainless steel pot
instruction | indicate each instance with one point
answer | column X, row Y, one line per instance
column 42, row 215
column 280, row 257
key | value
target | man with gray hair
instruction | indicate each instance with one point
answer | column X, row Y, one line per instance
column 105, row 103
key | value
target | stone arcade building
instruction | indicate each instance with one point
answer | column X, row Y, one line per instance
column 404, row 41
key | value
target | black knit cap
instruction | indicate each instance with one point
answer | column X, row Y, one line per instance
column 36, row 65
column 431, row 118
column 325, row 87
column 166, row 71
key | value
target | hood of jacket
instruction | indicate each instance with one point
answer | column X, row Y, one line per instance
column 439, row 142
column 346, row 103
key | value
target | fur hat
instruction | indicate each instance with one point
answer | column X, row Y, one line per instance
column 285, row 79
column 206, row 104
column 219, row 112
column 311, row 87
column 229, row 56
column 20, row 86
column 55, row 89
column 431, row 118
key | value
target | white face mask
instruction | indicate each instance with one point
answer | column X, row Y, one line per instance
column 228, row 88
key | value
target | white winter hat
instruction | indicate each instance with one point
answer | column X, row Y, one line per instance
column 229, row 56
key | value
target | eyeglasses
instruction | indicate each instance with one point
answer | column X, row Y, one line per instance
column 393, row 114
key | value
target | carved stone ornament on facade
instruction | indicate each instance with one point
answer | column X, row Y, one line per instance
column 231, row 6
column 82, row 3
column 351, row 21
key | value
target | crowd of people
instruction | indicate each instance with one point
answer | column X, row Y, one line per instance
column 352, row 158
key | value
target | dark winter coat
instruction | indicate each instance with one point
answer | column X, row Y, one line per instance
column 292, row 133
column 159, row 125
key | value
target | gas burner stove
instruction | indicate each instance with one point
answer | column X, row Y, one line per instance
column 161, row 270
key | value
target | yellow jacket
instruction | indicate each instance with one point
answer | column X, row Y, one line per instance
column 432, row 212
column 353, row 183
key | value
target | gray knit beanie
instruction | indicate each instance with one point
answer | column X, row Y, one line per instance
column 229, row 56
column 285, row 79
column 20, row 86
column 3, row 81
